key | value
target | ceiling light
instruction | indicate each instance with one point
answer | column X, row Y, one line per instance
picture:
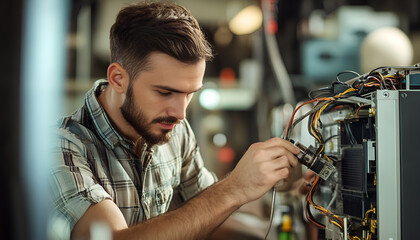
column 247, row 21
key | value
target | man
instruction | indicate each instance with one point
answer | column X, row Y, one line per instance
column 129, row 158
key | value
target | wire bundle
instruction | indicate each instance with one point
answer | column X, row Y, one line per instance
column 379, row 78
column 327, row 99
column 336, row 220
column 322, row 103
column 315, row 113
column 376, row 80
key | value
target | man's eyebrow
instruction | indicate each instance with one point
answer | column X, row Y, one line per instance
column 174, row 90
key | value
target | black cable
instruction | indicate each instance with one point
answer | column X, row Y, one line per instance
column 310, row 120
column 349, row 133
column 308, row 209
column 325, row 92
column 331, row 137
column 348, row 71
column 310, row 216
column 311, row 129
column 355, row 83
column 375, row 69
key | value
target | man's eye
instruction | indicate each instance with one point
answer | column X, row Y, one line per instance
column 164, row 93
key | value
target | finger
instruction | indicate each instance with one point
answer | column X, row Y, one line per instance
column 282, row 173
column 281, row 162
column 292, row 159
column 274, row 148
column 268, row 153
column 284, row 143
column 279, row 152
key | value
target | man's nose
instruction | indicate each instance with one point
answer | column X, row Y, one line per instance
column 178, row 107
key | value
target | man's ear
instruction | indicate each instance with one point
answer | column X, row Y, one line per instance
column 118, row 77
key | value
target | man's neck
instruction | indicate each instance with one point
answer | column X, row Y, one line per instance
column 111, row 103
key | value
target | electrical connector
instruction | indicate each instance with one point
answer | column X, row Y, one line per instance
column 308, row 157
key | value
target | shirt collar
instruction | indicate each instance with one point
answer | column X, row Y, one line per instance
column 102, row 124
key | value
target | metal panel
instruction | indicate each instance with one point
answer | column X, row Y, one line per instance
column 410, row 164
column 388, row 167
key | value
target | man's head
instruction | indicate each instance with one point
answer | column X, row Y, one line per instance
column 158, row 55
column 144, row 28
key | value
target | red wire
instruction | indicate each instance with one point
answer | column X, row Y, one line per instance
column 357, row 112
column 293, row 115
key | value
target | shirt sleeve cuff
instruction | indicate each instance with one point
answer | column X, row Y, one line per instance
column 76, row 206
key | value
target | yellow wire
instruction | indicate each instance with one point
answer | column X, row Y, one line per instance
column 367, row 212
column 390, row 76
column 382, row 77
column 318, row 114
column 312, row 131
column 353, row 238
column 371, row 84
column 327, row 212
column 347, row 91
column 338, row 225
column 327, row 158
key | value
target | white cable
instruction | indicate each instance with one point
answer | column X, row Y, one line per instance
column 273, row 200
column 333, row 198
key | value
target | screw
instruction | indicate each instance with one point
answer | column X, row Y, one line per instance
column 386, row 94
column 404, row 95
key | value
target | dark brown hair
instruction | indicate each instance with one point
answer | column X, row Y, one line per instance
column 147, row 27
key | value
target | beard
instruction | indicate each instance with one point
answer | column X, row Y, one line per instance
column 137, row 119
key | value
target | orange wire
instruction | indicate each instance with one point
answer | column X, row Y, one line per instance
column 308, row 200
column 357, row 112
column 294, row 112
column 324, row 211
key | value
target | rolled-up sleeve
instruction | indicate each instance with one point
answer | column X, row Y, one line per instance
column 73, row 185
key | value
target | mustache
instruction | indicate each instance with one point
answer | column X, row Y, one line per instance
column 167, row 120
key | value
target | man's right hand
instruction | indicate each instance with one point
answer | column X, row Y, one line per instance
column 261, row 167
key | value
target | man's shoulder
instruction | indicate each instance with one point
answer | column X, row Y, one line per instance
column 75, row 128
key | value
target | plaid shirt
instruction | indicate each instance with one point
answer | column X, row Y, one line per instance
column 94, row 162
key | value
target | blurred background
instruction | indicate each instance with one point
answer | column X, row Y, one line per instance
column 268, row 55
column 304, row 45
